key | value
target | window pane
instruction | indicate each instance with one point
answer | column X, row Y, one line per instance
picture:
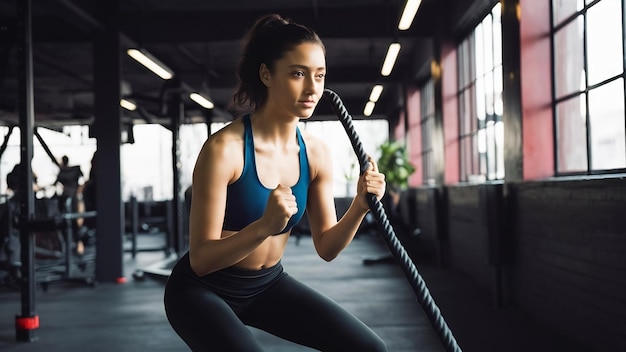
column 565, row 8
column 479, row 50
column 470, row 115
column 372, row 133
column 463, row 160
column 480, row 98
column 498, row 83
column 500, row 149
column 465, row 110
column 487, row 43
column 606, row 119
column 568, row 58
column 192, row 137
column 604, row 41
column 427, row 127
column 488, row 97
column 497, row 35
column 430, row 162
column 491, row 150
column 148, row 163
column 572, row 135
column 472, row 155
column 481, row 147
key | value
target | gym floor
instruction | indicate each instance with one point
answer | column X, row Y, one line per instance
column 130, row 317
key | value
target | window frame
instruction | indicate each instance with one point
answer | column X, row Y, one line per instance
column 427, row 123
column 476, row 166
column 583, row 92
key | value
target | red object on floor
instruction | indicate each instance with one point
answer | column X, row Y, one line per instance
column 27, row 323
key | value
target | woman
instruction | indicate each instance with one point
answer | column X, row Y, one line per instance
column 252, row 182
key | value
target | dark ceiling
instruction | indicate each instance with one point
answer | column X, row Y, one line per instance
column 200, row 41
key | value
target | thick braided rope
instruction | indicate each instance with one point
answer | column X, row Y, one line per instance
column 398, row 251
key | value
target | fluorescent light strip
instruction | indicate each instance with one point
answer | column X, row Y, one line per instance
column 408, row 14
column 151, row 63
column 369, row 108
column 202, row 101
column 128, row 105
column 377, row 90
column 390, row 59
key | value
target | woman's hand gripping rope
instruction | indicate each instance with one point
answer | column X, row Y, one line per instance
column 370, row 182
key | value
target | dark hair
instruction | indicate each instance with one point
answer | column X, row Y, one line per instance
column 266, row 42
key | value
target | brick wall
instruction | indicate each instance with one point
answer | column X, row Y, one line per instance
column 427, row 216
column 562, row 245
column 570, row 257
column 467, row 232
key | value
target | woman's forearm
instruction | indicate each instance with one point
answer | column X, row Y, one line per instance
column 212, row 255
column 339, row 236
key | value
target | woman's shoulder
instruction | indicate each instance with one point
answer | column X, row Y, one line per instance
column 222, row 152
column 223, row 143
column 317, row 150
column 312, row 141
column 232, row 133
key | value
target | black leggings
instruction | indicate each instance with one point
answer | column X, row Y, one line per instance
column 210, row 318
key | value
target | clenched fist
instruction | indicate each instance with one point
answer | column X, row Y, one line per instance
column 281, row 206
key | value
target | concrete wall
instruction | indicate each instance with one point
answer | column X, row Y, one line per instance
column 556, row 249
column 570, row 257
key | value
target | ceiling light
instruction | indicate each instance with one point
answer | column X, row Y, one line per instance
column 128, row 105
column 390, row 59
column 204, row 102
column 377, row 90
column 151, row 63
column 410, row 9
column 369, row 108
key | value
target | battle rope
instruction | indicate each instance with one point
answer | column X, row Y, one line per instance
column 400, row 254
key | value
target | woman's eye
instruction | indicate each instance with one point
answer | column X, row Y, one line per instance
column 321, row 76
column 299, row 74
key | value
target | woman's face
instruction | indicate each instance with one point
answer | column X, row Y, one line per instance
column 297, row 83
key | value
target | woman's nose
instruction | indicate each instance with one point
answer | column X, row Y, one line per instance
column 312, row 86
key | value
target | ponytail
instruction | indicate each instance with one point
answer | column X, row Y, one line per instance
column 266, row 42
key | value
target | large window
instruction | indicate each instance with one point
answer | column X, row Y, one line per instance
column 372, row 133
column 480, row 101
column 588, row 64
column 427, row 108
column 146, row 164
column 72, row 141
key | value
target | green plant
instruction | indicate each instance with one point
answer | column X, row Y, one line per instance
column 394, row 163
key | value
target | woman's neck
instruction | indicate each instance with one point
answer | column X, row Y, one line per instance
column 273, row 128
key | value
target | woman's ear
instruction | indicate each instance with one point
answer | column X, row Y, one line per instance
column 265, row 75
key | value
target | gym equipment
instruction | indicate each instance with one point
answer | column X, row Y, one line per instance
column 399, row 253
column 53, row 234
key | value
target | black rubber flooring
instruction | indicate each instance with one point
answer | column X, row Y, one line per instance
column 130, row 316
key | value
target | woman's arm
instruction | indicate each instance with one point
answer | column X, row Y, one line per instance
column 216, row 167
column 330, row 236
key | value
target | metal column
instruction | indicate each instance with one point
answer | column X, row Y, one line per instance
column 178, row 114
column 108, row 131
column 27, row 322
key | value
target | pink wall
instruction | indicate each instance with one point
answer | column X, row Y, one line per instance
column 450, row 113
column 536, row 87
column 414, row 143
column 398, row 129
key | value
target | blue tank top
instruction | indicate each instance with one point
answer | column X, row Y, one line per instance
column 246, row 198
